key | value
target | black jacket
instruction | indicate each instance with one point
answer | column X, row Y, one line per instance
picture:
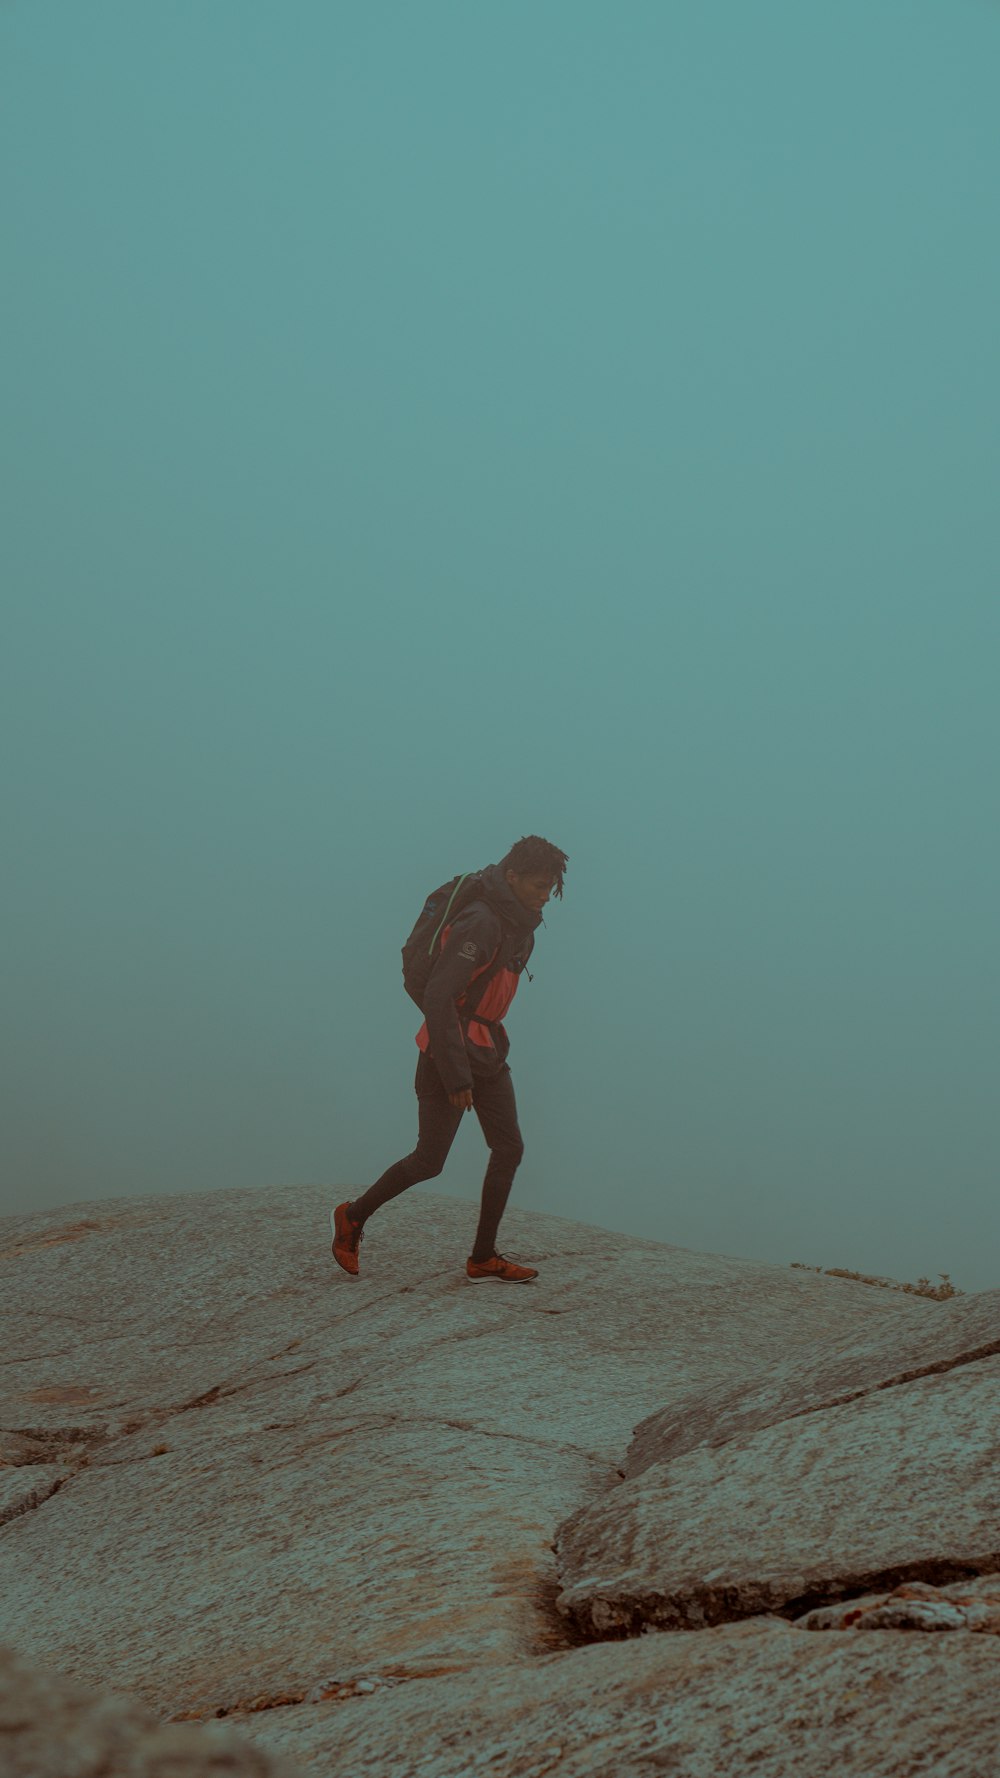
column 466, row 1048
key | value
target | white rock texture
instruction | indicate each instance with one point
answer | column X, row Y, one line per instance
column 833, row 1372
column 902, row 1484
column 965, row 1605
column 52, row 1727
column 863, row 1464
column 235, row 1481
column 753, row 1700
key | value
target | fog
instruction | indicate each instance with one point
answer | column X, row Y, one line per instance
column 430, row 425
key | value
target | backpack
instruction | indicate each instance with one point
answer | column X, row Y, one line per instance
column 420, row 952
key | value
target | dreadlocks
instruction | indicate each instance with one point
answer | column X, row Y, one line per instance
column 532, row 855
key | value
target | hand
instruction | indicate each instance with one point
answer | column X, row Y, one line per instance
column 463, row 1100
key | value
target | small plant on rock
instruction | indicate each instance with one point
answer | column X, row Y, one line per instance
column 923, row 1287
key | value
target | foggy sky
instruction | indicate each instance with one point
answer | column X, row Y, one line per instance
column 428, row 425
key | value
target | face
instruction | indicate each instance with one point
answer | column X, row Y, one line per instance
column 531, row 891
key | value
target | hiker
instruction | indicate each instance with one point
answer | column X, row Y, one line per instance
column 462, row 1065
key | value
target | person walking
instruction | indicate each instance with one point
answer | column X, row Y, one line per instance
column 462, row 1065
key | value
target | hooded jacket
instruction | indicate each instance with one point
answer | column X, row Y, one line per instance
column 468, row 1042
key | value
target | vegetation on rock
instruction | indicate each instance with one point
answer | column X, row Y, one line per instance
column 923, row 1287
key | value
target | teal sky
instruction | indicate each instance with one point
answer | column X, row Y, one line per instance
column 430, row 424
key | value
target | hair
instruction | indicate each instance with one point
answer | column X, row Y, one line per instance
column 533, row 856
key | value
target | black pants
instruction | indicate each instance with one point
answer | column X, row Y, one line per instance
column 494, row 1104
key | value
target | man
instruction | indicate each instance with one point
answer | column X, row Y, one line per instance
column 463, row 1047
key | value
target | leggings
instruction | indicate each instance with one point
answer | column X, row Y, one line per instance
column 494, row 1104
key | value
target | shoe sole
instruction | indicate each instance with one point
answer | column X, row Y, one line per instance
column 493, row 1278
column 333, row 1245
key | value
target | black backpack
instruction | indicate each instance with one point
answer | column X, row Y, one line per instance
column 421, row 952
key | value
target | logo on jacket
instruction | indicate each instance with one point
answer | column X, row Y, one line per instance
column 469, row 950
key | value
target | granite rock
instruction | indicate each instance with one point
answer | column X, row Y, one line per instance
column 902, row 1484
column 235, row 1481
column 52, row 1727
column 835, row 1371
column 757, row 1698
column 972, row 1604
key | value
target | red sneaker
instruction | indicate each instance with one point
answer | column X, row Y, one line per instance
column 502, row 1269
column 347, row 1237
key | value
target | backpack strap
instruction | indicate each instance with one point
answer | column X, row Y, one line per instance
column 442, row 923
column 484, row 976
column 482, row 979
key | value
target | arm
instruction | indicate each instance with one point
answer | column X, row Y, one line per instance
column 473, row 938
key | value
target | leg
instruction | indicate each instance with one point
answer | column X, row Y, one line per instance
column 496, row 1109
column 439, row 1122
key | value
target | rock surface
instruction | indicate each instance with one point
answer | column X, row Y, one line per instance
column 753, row 1700
column 965, row 1605
column 862, row 1465
column 835, row 1373
column 237, row 1481
column 51, row 1727
column 903, row 1484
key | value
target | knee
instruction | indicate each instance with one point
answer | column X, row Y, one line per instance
column 511, row 1153
column 427, row 1166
